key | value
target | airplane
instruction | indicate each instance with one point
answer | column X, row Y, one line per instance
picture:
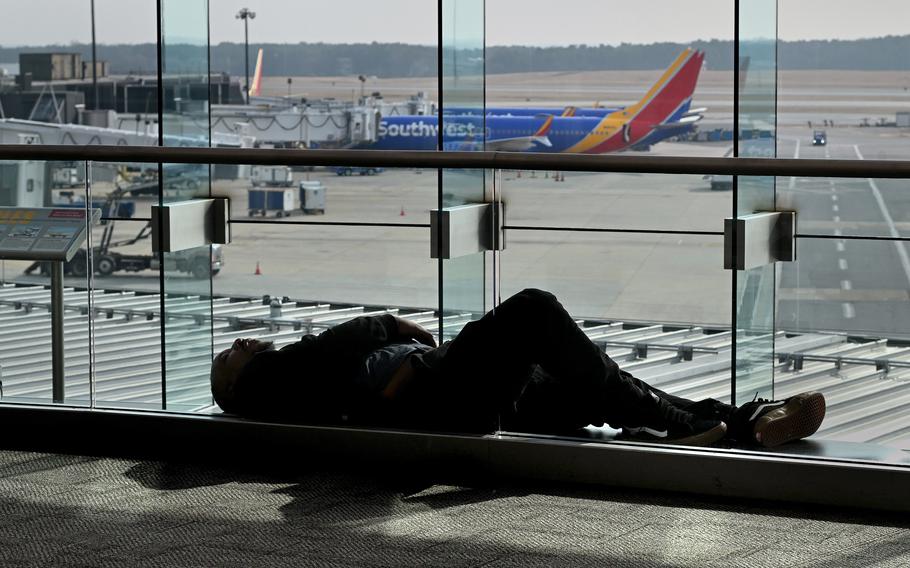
column 664, row 111
column 569, row 111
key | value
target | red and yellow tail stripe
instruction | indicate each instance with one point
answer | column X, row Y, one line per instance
column 623, row 128
column 545, row 127
column 256, row 86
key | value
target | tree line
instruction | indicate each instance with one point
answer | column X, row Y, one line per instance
column 407, row 60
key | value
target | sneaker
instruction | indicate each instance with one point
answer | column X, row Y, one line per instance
column 775, row 422
column 670, row 425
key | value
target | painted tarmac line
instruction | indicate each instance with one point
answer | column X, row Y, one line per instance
column 795, row 156
column 901, row 250
column 849, row 312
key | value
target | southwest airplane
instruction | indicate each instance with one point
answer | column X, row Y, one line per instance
column 664, row 111
column 568, row 111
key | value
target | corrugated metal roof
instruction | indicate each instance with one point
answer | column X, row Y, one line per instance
column 864, row 381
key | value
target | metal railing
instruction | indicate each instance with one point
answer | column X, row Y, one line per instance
column 619, row 163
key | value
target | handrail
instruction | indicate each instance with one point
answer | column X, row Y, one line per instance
column 465, row 160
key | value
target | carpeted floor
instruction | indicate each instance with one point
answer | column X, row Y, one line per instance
column 62, row 510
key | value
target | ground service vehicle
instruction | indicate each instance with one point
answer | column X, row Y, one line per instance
column 357, row 170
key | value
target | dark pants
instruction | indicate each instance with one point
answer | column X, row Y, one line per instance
column 526, row 366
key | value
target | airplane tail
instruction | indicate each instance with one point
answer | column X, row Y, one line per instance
column 664, row 102
column 672, row 91
column 256, row 87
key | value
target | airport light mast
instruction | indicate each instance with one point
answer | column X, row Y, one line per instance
column 94, row 60
column 246, row 15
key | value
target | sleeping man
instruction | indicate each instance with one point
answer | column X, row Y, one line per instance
column 525, row 366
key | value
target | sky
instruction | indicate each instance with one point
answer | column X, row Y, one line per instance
column 521, row 22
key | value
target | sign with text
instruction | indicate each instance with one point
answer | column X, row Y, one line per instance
column 42, row 233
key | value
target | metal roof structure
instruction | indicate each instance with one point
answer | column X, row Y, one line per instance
column 865, row 381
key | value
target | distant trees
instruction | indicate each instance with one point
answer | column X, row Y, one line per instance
column 406, row 60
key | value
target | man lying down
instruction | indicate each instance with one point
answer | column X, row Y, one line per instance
column 525, row 366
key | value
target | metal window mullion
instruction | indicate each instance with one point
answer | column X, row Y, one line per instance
column 734, row 283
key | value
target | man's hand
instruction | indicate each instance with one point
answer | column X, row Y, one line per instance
column 411, row 330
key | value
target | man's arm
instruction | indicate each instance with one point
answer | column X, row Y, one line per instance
column 358, row 337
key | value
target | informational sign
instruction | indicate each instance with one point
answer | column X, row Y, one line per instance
column 42, row 233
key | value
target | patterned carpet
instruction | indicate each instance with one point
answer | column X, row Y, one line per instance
column 64, row 510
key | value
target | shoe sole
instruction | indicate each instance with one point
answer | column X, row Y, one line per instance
column 798, row 419
column 701, row 439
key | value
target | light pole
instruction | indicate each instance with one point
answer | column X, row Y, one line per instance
column 246, row 15
column 94, row 60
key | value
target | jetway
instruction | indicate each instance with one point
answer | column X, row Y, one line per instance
column 17, row 131
column 325, row 123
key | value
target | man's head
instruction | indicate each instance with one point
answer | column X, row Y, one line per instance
column 227, row 365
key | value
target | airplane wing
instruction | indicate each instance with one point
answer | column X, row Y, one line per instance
column 687, row 120
column 517, row 144
column 523, row 143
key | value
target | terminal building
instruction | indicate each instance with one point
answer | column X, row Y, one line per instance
column 148, row 222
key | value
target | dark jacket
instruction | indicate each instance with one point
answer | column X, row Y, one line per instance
column 313, row 380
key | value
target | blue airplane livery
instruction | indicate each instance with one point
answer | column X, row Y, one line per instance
column 664, row 111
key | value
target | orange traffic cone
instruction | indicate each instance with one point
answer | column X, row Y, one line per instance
column 258, row 272
column 402, row 214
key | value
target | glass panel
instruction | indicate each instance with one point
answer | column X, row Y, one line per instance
column 623, row 277
column 359, row 85
column 463, row 278
column 70, row 78
column 598, row 83
column 387, row 266
column 25, row 293
column 756, row 138
column 847, row 206
column 614, row 201
column 649, row 300
column 843, row 313
column 843, row 89
column 186, row 274
column 329, row 194
column 127, row 328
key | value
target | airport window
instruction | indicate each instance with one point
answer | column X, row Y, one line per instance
column 636, row 258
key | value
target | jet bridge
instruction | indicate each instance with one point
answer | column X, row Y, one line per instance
column 325, row 123
column 17, row 131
